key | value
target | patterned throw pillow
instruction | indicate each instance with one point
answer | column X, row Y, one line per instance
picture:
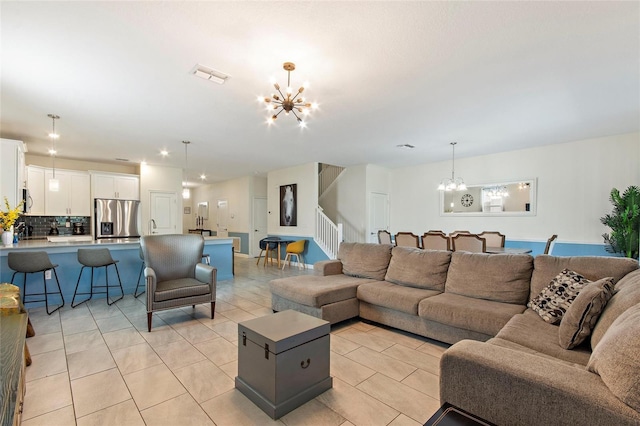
column 584, row 312
column 554, row 300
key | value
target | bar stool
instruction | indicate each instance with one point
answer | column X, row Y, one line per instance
column 32, row 262
column 135, row 293
column 96, row 258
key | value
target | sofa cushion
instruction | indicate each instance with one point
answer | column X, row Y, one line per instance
column 617, row 358
column 499, row 277
column 483, row 316
column 591, row 267
column 394, row 296
column 627, row 294
column 365, row 260
column 528, row 329
column 554, row 300
column 583, row 313
column 418, row 268
column 317, row 291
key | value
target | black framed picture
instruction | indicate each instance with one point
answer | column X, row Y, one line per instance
column 289, row 205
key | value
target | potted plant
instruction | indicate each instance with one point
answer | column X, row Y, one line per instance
column 624, row 222
column 7, row 219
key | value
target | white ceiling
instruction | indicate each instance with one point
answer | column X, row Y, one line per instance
column 494, row 76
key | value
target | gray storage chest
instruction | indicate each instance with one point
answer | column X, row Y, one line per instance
column 283, row 360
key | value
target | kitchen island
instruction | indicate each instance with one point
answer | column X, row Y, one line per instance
column 125, row 251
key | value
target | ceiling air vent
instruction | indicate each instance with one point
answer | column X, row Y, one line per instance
column 210, row 74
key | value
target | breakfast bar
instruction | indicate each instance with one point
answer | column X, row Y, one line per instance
column 126, row 251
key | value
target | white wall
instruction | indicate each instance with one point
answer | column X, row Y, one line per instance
column 237, row 192
column 574, row 182
column 159, row 178
column 306, row 177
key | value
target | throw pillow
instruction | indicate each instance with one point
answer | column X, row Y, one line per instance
column 617, row 358
column 554, row 299
column 584, row 312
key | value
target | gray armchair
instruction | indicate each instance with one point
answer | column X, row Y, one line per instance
column 174, row 275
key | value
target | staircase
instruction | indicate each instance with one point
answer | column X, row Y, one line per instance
column 328, row 234
column 326, row 176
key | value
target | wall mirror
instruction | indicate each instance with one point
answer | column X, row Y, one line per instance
column 512, row 198
column 203, row 209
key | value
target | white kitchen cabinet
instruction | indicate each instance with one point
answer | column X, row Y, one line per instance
column 115, row 186
column 35, row 184
column 11, row 171
column 73, row 198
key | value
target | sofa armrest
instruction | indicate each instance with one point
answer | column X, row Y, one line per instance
column 328, row 267
column 506, row 386
column 207, row 274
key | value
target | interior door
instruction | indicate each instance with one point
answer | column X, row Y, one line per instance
column 378, row 215
column 223, row 218
column 163, row 213
column 260, row 216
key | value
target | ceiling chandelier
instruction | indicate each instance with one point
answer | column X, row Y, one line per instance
column 54, row 184
column 288, row 102
column 496, row 191
column 452, row 184
column 186, row 193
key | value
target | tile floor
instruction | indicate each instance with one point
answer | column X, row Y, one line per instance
column 97, row 365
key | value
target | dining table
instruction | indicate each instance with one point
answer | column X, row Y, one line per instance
column 507, row 250
column 280, row 242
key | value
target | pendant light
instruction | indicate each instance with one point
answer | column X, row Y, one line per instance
column 186, row 193
column 54, row 184
column 452, row 184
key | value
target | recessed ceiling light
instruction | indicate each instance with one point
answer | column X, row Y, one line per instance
column 405, row 146
column 164, row 152
column 210, row 74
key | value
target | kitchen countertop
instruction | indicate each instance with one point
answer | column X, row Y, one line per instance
column 69, row 246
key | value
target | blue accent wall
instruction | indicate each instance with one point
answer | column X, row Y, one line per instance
column 563, row 249
column 312, row 252
column 244, row 241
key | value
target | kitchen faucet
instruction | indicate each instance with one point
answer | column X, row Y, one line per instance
column 152, row 226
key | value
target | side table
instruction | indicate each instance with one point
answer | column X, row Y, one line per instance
column 283, row 360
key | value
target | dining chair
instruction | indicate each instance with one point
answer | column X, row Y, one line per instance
column 269, row 247
column 494, row 238
column 550, row 243
column 295, row 249
column 435, row 241
column 469, row 242
column 384, row 237
column 407, row 239
column 454, row 233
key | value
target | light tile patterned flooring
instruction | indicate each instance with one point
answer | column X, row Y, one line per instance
column 97, row 365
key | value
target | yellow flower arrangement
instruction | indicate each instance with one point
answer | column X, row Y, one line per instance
column 8, row 218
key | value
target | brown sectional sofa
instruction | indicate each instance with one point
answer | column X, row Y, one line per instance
column 508, row 366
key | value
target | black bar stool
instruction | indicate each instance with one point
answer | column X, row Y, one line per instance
column 96, row 258
column 32, row 262
column 135, row 293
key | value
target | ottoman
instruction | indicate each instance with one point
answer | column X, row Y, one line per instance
column 283, row 361
column 332, row 298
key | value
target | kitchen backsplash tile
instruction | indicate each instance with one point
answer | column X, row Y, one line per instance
column 42, row 224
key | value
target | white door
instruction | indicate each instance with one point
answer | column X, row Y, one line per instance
column 259, row 224
column 223, row 218
column 378, row 215
column 163, row 213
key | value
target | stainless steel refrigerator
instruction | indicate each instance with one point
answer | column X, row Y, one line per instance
column 115, row 218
